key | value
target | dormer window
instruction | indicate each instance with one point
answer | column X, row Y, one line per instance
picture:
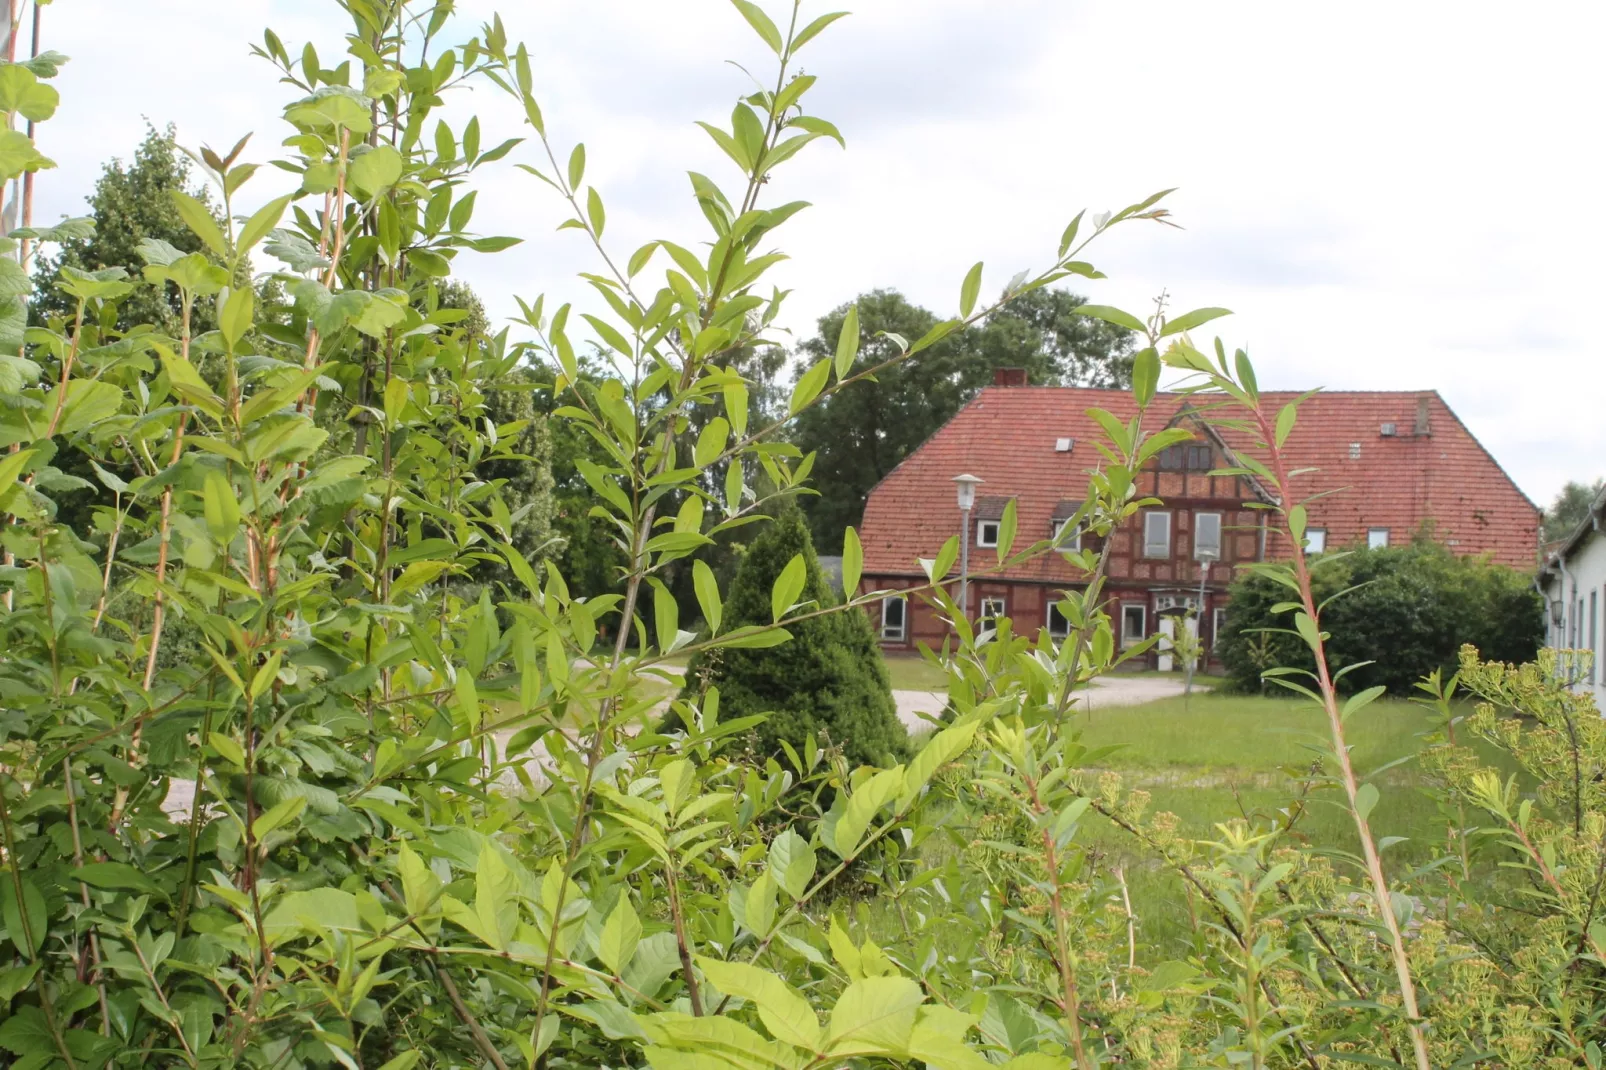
column 987, row 533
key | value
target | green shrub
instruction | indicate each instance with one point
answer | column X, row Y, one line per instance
column 828, row 682
column 350, row 884
column 1405, row 610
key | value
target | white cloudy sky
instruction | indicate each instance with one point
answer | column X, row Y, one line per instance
column 1389, row 195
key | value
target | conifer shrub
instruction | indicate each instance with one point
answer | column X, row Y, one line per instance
column 828, row 681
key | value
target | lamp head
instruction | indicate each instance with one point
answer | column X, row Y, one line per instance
column 967, row 490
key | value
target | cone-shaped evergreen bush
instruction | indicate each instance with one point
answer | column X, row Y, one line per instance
column 828, row 680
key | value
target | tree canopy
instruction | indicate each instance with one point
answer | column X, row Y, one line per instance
column 1570, row 507
column 132, row 203
column 859, row 435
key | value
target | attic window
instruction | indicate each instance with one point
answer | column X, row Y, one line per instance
column 1064, row 445
column 1389, row 430
column 1195, row 458
column 1354, row 451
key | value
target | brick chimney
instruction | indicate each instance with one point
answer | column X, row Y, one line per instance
column 1010, row 377
column 1423, row 429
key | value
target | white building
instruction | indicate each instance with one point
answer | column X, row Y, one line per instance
column 1574, row 585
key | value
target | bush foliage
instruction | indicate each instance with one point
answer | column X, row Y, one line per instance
column 1397, row 613
column 374, row 823
column 827, row 684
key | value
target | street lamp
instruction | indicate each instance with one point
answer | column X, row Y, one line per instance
column 966, row 485
column 1205, row 557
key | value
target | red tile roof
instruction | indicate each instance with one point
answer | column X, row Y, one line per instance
column 1006, row 435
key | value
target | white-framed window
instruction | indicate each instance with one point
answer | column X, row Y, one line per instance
column 894, row 617
column 992, row 607
column 1134, row 624
column 1377, row 538
column 1059, row 627
column 986, row 533
column 1315, row 540
column 1218, row 621
column 1066, row 537
column 1157, row 533
column 1207, row 536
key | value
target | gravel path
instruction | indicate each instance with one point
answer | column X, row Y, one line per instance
column 915, row 707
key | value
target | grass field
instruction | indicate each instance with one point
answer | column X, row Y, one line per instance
column 911, row 672
column 1222, row 756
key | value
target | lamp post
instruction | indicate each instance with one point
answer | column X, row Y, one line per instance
column 1205, row 557
column 966, row 485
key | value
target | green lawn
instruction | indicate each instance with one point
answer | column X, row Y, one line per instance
column 911, row 672
column 1221, row 756
column 1218, row 730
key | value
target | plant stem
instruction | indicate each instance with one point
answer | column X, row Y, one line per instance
column 1329, row 698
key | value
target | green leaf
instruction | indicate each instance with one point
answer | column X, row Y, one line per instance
column 30, row 909
column 1360, row 700
column 942, row 748
column 788, row 585
column 759, row 913
column 792, row 863
column 1006, row 530
column 620, row 934
column 374, row 171
column 852, row 562
column 222, row 508
column 1145, row 375
column 639, row 259
column 594, row 211
column 812, row 30
column 847, row 342
column 495, row 905
column 420, row 886
column 1189, row 320
column 1365, row 799
column 262, row 223
column 787, row 1015
column 761, row 23
column 278, row 815
column 198, row 217
column 665, row 614
column 808, row 387
column 862, row 807
column 229, row 748
column 968, row 290
column 944, row 563
column 1285, row 421
column 1110, row 314
column 577, row 165
column 711, row 442
column 736, row 409
column 874, row 1016
column 707, row 588
column 1246, row 375
column 22, row 93
column 11, row 465
column 18, row 155
column 405, row 1061
column 1307, row 630
column 237, row 314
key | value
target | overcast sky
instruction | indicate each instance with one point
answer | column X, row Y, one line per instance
column 1388, row 195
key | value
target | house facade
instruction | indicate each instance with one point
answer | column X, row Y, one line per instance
column 1387, row 466
column 1574, row 584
